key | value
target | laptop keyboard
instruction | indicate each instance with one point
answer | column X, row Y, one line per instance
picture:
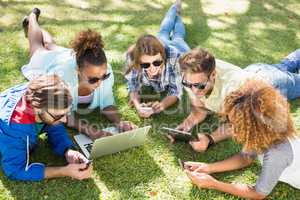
column 89, row 147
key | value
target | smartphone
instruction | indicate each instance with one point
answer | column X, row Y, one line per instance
column 179, row 135
column 87, row 165
column 146, row 109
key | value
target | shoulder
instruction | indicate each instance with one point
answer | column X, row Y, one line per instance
column 284, row 151
column 171, row 52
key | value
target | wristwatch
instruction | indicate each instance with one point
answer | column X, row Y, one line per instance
column 211, row 140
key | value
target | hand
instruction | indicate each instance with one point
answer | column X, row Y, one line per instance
column 95, row 133
column 184, row 127
column 157, row 107
column 144, row 113
column 78, row 171
column 197, row 167
column 200, row 145
column 181, row 127
column 201, row 180
column 126, row 126
column 75, row 157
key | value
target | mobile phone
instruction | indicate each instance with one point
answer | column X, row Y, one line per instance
column 146, row 109
column 87, row 165
column 179, row 135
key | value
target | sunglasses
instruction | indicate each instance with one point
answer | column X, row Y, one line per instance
column 199, row 86
column 93, row 80
column 155, row 63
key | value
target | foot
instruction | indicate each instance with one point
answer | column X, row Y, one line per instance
column 178, row 6
column 37, row 13
column 25, row 23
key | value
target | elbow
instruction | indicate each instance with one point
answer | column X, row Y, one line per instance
column 15, row 175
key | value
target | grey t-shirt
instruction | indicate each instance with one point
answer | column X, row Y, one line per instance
column 275, row 161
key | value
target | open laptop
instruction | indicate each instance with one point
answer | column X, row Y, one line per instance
column 111, row 144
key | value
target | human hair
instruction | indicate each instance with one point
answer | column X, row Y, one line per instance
column 88, row 47
column 259, row 116
column 197, row 61
column 48, row 92
column 145, row 45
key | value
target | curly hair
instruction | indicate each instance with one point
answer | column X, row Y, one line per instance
column 88, row 46
column 259, row 116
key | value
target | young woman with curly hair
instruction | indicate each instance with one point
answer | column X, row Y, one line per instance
column 84, row 68
column 260, row 120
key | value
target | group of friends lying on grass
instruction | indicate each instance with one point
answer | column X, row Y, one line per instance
column 252, row 103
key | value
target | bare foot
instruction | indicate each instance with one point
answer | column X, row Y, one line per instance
column 178, row 6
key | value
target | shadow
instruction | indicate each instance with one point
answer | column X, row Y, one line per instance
column 198, row 24
column 128, row 170
column 260, row 34
column 264, row 33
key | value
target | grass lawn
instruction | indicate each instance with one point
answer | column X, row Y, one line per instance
column 241, row 32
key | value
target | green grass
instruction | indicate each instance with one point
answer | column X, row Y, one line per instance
column 241, row 32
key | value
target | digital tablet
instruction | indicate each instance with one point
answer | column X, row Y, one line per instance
column 179, row 135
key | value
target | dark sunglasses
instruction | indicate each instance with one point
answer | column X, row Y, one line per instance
column 199, row 86
column 94, row 80
column 155, row 63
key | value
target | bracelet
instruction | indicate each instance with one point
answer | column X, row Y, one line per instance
column 211, row 140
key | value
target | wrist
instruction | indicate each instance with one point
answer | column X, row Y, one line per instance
column 210, row 169
column 215, row 185
column 66, row 152
column 211, row 140
column 63, row 171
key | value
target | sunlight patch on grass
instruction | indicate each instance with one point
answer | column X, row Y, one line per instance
column 257, row 28
column 219, row 24
column 122, row 91
column 222, row 22
column 293, row 7
column 113, row 54
column 268, row 6
column 217, row 7
column 8, row 19
column 78, row 3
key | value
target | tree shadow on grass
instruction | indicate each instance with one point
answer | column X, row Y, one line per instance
column 128, row 172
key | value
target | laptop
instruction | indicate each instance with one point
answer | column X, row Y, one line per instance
column 111, row 144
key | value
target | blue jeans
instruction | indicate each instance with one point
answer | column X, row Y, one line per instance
column 283, row 76
column 172, row 31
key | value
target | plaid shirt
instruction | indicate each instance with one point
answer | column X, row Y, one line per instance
column 170, row 79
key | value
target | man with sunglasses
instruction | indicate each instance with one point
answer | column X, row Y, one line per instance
column 28, row 110
column 208, row 81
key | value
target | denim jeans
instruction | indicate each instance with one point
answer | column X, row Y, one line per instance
column 172, row 31
column 283, row 76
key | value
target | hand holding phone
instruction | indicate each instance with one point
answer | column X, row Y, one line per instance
column 87, row 165
column 179, row 135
